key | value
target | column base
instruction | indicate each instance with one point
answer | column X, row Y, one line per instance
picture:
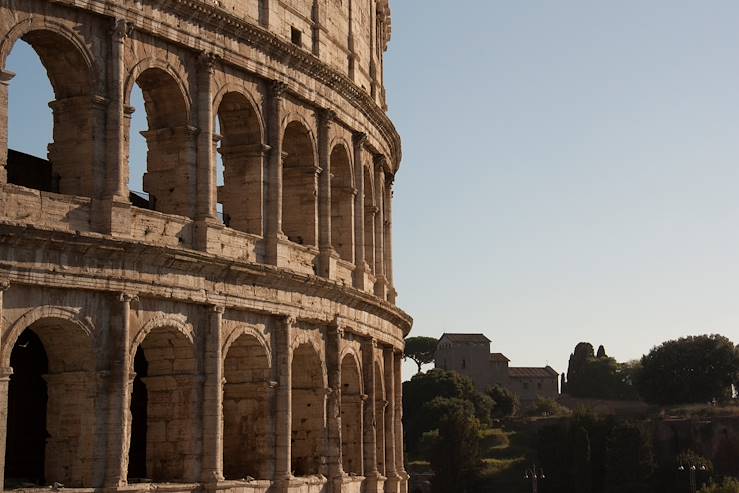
column 374, row 484
column 363, row 278
column 206, row 235
column 403, row 483
column 327, row 262
column 392, row 483
column 112, row 216
column 381, row 287
column 392, row 295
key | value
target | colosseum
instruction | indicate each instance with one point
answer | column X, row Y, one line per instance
column 232, row 328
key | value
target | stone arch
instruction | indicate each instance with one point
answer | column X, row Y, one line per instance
column 231, row 87
column 170, row 177
column 40, row 24
column 51, row 396
column 249, row 330
column 176, row 73
column 242, row 152
column 248, row 441
column 175, row 321
column 165, row 441
column 46, row 312
column 308, row 411
column 342, row 201
column 351, row 412
column 299, row 184
column 72, row 165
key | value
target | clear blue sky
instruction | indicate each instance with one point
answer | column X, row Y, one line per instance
column 570, row 171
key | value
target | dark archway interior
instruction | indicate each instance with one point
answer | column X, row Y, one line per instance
column 27, row 397
column 139, row 404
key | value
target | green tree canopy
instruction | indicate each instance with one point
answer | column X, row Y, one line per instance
column 428, row 396
column 689, row 370
column 421, row 350
column 456, row 454
column 506, row 402
column 582, row 353
column 603, row 378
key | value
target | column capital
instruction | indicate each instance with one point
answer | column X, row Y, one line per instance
column 370, row 341
column 207, row 61
column 380, row 162
column 127, row 297
column 278, row 89
column 325, row 116
column 217, row 309
column 290, row 320
column 359, row 138
column 121, row 29
column 4, row 285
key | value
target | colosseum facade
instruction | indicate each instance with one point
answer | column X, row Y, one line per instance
column 240, row 337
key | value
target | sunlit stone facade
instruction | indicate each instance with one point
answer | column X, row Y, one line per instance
column 248, row 347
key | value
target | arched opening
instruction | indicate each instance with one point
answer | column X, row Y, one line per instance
column 369, row 219
column 351, row 416
column 139, row 415
column 26, row 438
column 165, row 443
column 380, row 404
column 51, row 411
column 241, row 152
column 53, row 153
column 299, row 186
column 342, row 204
column 167, row 174
column 308, row 412
column 247, row 430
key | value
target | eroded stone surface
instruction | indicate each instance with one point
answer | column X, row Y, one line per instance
column 155, row 340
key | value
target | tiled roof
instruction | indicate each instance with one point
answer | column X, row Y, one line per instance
column 528, row 372
column 498, row 357
column 455, row 337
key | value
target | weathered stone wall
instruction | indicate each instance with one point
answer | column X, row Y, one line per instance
column 258, row 352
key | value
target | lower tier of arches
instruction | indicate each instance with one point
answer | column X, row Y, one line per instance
column 99, row 390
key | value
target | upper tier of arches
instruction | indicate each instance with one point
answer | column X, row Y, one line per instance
column 299, row 186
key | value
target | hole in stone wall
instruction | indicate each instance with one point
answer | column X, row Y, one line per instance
column 308, row 412
column 342, row 204
column 247, row 424
column 139, row 404
column 30, row 121
column 300, row 187
column 137, row 150
column 55, row 154
column 27, row 398
column 351, row 416
column 296, row 36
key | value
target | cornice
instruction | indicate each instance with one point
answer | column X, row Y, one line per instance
column 251, row 34
column 209, row 267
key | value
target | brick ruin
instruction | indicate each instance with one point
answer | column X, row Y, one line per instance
column 149, row 341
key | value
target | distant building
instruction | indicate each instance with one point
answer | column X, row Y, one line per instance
column 469, row 354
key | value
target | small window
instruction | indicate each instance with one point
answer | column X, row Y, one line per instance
column 464, row 364
column 296, row 36
column 526, row 385
column 538, row 385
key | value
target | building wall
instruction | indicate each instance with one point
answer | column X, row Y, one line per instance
column 531, row 388
column 468, row 359
column 169, row 320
